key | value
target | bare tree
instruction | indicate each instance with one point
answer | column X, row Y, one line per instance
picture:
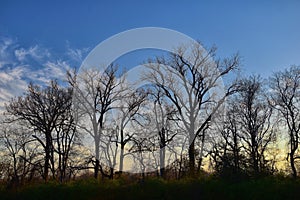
column 43, row 109
column 165, row 123
column 285, row 98
column 109, row 151
column 132, row 103
column 20, row 150
column 254, row 118
column 226, row 149
column 188, row 82
column 65, row 139
column 95, row 93
column 140, row 150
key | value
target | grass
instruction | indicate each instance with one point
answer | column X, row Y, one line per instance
column 208, row 188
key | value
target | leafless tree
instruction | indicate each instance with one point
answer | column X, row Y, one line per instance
column 65, row 138
column 165, row 122
column 21, row 150
column 285, row 98
column 226, row 149
column 140, row 150
column 131, row 104
column 254, row 118
column 43, row 109
column 95, row 93
column 109, row 151
column 188, row 82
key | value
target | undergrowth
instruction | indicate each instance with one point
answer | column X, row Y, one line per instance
column 156, row 188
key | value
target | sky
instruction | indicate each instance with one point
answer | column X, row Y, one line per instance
column 40, row 40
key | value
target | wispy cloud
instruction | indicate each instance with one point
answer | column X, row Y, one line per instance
column 5, row 43
column 35, row 52
column 51, row 70
column 6, row 47
column 20, row 65
column 76, row 55
column 11, row 84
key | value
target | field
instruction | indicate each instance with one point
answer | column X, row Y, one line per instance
column 153, row 188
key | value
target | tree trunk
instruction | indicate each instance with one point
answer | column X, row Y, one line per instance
column 96, row 168
column 15, row 178
column 192, row 158
column 201, row 152
column 47, row 159
column 254, row 155
column 162, row 161
column 111, row 173
column 236, row 154
column 46, row 165
column 97, row 163
column 121, row 159
column 292, row 161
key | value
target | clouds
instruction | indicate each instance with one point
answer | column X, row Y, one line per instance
column 51, row 70
column 77, row 54
column 5, row 43
column 20, row 65
column 11, row 84
column 35, row 52
column 6, row 47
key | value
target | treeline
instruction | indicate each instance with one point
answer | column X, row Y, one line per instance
column 184, row 121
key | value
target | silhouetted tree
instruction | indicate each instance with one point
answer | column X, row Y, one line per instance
column 65, row 139
column 43, row 109
column 285, row 98
column 95, row 93
column 20, row 150
column 165, row 123
column 226, row 147
column 254, row 118
column 187, row 79
column 129, row 109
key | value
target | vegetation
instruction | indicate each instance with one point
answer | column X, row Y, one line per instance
column 155, row 188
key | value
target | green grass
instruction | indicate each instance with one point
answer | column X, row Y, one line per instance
column 208, row 188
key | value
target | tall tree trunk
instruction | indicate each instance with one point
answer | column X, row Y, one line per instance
column 192, row 158
column 236, row 154
column 15, row 176
column 201, row 151
column 254, row 155
column 96, row 168
column 121, row 159
column 111, row 173
column 46, row 165
column 47, row 159
column 162, row 161
column 292, row 160
column 97, row 163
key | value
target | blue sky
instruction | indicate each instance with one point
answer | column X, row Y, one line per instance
column 41, row 39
